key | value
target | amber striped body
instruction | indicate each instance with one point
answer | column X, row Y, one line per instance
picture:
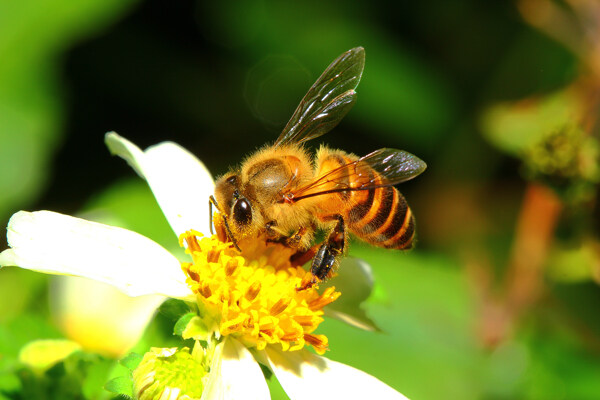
column 283, row 194
column 379, row 216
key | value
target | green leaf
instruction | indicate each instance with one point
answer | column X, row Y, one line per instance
column 196, row 329
column 182, row 323
column 174, row 309
column 131, row 361
column 121, row 385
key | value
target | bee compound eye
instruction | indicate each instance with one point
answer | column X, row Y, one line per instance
column 242, row 212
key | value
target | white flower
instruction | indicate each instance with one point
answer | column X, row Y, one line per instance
column 53, row 243
column 98, row 316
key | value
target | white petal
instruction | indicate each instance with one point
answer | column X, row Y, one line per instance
column 108, row 322
column 303, row 374
column 235, row 374
column 179, row 181
column 59, row 244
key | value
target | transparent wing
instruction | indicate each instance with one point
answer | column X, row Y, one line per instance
column 393, row 166
column 327, row 101
column 383, row 167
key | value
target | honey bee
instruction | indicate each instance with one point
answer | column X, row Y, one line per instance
column 283, row 193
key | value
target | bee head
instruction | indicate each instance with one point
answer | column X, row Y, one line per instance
column 235, row 207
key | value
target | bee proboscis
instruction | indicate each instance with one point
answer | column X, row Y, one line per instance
column 284, row 193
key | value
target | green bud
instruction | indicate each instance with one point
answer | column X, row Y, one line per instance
column 170, row 373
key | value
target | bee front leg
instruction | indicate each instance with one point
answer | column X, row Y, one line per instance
column 274, row 234
column 326, row 258
column 271, row 231
column 299, row 240
column 302, row 238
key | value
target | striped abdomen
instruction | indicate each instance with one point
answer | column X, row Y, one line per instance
column 379, row 216
column 382, row 218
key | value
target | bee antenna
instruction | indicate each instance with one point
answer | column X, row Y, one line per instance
column 212, row 201
column 210, row 215
column 231, row 235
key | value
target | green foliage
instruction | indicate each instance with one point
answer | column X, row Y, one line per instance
column 515, row 127
column 411, row 98
column 572, row 263
column 77, row 376
column 182, row 323
column 131, row 361
column 122, row 380
column 545, row 133
column 41, row 355
column 426, row 315
column 122, row 386
column 32, row 37
column 19, row 292
column 174, row 309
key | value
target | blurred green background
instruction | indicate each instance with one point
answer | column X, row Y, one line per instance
column 500, row 298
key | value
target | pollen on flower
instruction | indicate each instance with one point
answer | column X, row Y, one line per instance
column 254, row 297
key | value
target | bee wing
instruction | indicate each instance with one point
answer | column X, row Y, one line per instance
column 393, row 166
column 383, row 167
column 327, row 101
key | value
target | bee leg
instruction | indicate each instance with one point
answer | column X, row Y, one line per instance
column 300, row 238
column 301, row 257
column 327, row 255
column 272, row 234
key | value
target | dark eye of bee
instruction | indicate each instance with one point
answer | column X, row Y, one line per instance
column 232, row 180
column 242, row 212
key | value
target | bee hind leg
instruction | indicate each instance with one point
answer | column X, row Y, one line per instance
column 301, row 257
column 326, row 258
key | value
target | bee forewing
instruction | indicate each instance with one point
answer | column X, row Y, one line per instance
column 327, row 101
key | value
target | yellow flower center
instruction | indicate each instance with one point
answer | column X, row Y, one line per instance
column 254, row 297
